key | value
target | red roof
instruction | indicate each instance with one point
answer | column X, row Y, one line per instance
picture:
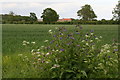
column 67, row 19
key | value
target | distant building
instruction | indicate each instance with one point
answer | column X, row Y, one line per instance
column 65, row 19
column 40, row 20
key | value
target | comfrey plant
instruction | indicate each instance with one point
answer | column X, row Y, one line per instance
column 77, row 55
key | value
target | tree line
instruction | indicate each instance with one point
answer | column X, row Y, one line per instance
column 50, row 16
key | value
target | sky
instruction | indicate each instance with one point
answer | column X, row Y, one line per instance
column 65, row 8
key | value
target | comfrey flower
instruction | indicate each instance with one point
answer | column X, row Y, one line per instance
column 46, row 41
column 20, row 54
column 57, row 50
column 37, row 52
column 56, row 27
column 47, row 54
column 55, row 66
column 60, row 38
column 50, row 31
column 77, row 33
column 108, row 51
column 33, row 42
column 24, row 44
column 53, row 50
column 96, row 38
column 27, row 42
column 91, row 40
column 72, row 38
column 52, row 41
column 54, row 36
column 108, row 56
column 91, row 33
column 115, row 49
column 39, row 59
column 32, row 50
column 24, row 41
column 38, row 55
column 87, row 44
column 100, row 36
column 61, row 33
column 83, row 40
column 38, row 49
column 78, row 45
column 42, row 46
column 62, row 50
column 86, row 36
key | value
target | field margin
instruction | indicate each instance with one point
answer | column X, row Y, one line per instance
column 0, row 45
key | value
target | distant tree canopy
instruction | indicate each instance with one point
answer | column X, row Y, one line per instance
column 12, row 18
column 86, row 13
column 8, row 17
column 11, row 13
column 116, row 12
column 49, row 15
column 33, row 17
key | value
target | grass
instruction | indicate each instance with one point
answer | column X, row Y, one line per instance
column 14, row 34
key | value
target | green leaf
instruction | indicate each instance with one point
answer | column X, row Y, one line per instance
column 70, row 71
column 84, row 73
column 78, row 75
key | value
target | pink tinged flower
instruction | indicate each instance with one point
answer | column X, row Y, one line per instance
column 43, row 61
column 55, row 66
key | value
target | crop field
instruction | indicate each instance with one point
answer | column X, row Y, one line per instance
column 13, row 36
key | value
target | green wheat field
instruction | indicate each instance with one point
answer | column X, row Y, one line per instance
column 14, row 34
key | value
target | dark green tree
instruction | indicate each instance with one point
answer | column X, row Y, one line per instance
column 86, row 13
column 33, row 17
column 116, row 12
column 49, row 16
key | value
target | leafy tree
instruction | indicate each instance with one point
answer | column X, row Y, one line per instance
column 49, row 15
column 33, row 17
column 86, row 13
column 11, row 13
column 116, row 11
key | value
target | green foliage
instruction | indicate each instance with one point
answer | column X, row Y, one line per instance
column 116, row 12
column 49, row 16
column 14, row 18
column 11, row 13
column 86, row 13
column 74, row 55
column 33, row 17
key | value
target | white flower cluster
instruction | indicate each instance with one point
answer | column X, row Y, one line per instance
column 50, row 31
column 55, row 66
column 20, row 54
column 46, row 41
column 27, row 43
column 105, row 49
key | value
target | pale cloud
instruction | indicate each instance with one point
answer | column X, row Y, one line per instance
column 9, row 5
column 65, row 8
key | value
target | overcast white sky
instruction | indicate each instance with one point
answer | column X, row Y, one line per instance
column 65, row 8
